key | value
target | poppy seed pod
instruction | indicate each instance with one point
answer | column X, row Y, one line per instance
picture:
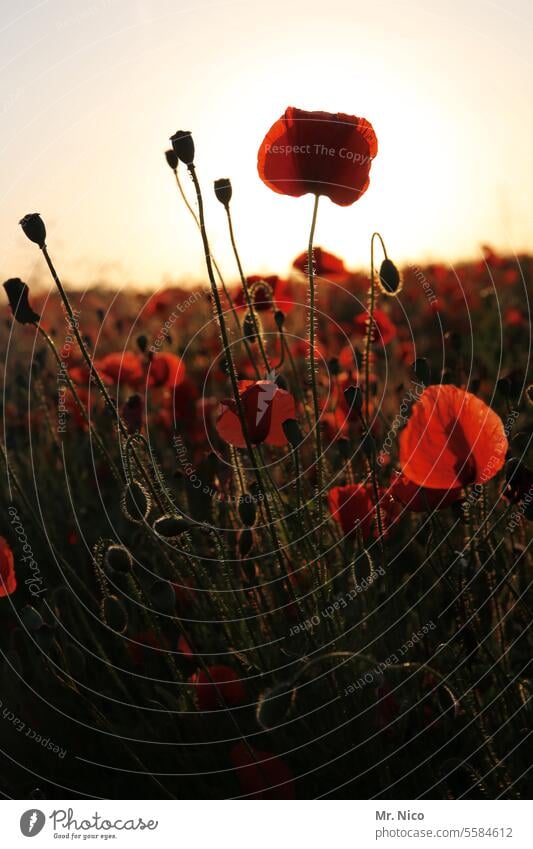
column 247, row 510
column 142, row 343
column 183, row 145
column 33, row 227
column 136, row 503
column 292, row 432
column 172, row 159
column 389, row 278
column 17, row 294
column 334, row 367
column 354, row 398
column 223, row 190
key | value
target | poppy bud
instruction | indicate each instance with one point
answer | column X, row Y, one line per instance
column 343, row 445
column 33, row 227
column 246, row 541
column 142, row 343
column 118, row 558
column 422, row 370
column 114, row 614
column 389, row 277
column 247, row 510
column 354, row 398
column 503, row 386
column 17, row 293
column 279, row 318
column 274, row 705
column 163, row 596
column 132, row 414
column 183, row 146
column 171, row 526
column 136, row 503
column 31, row 618
column 248, row 327
column 223, row 190
column 292, row 432
column 334, row 367
column 172, row 159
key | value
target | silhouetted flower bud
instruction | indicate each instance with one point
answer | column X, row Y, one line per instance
column 422, row 370
column 503, row 386
column 132, row 413
column 334, row 367
column 248, row 327
column 172, row 159
column 354, row 398
column 389, row 277
column 142, row 343
column 274, row 705
column 17, row 293
column 292, row 432
column 246, row 541
column 136, row 503
column 31, row 618
column 172, row 526
column 114, row 614
column 279, row 318
column 223, row 190
column 163, row 597
column 247, row 509
column 183, row 146
column 33, row 227
column 118, row 558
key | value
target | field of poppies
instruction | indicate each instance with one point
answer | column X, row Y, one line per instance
column 268, row 537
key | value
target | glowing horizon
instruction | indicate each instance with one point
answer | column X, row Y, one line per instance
column 91, row 95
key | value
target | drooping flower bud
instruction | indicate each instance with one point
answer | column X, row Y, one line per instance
column 389, row 278
column 292, row 432
column 171, row 526
column 248, row 327
column 247, row 509
column 118, row 558
column 136, row 503
column 172, row 159
column 354, row 398
column 33, row 226
column 183, row 145
column 334, row 366
column 142, row 343
column 114, row 614
column 17, row 293
column 223, row 191
column 279, row 318
column 422, row 370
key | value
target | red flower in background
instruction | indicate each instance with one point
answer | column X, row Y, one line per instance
column 229, row 687
column 261, row 775
column 452, row 439
column 384, row 329
column 121, row 367
column 319, row 153
column 419, row 499
column 274, row 294
column 165, row 369
column 326, row 264
column 8, row 580
column 265, row 408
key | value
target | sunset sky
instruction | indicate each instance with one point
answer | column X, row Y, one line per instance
column 90, row 93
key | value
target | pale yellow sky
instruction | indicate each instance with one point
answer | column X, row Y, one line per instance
column 90, row 93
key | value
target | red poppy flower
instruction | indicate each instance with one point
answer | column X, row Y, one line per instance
column 319, row 153
column 165, row 369
column 452, row 439
column 265, row 408
column 229, row 687
column 8, row 580
column 325, row 264
column 121, row 367
column 352, row 506
column 420, row 499
column 384, row 329
column 274, row 294
column 261, row 775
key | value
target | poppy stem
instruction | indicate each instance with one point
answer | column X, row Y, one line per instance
column 244, row 283
column 312, row 360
